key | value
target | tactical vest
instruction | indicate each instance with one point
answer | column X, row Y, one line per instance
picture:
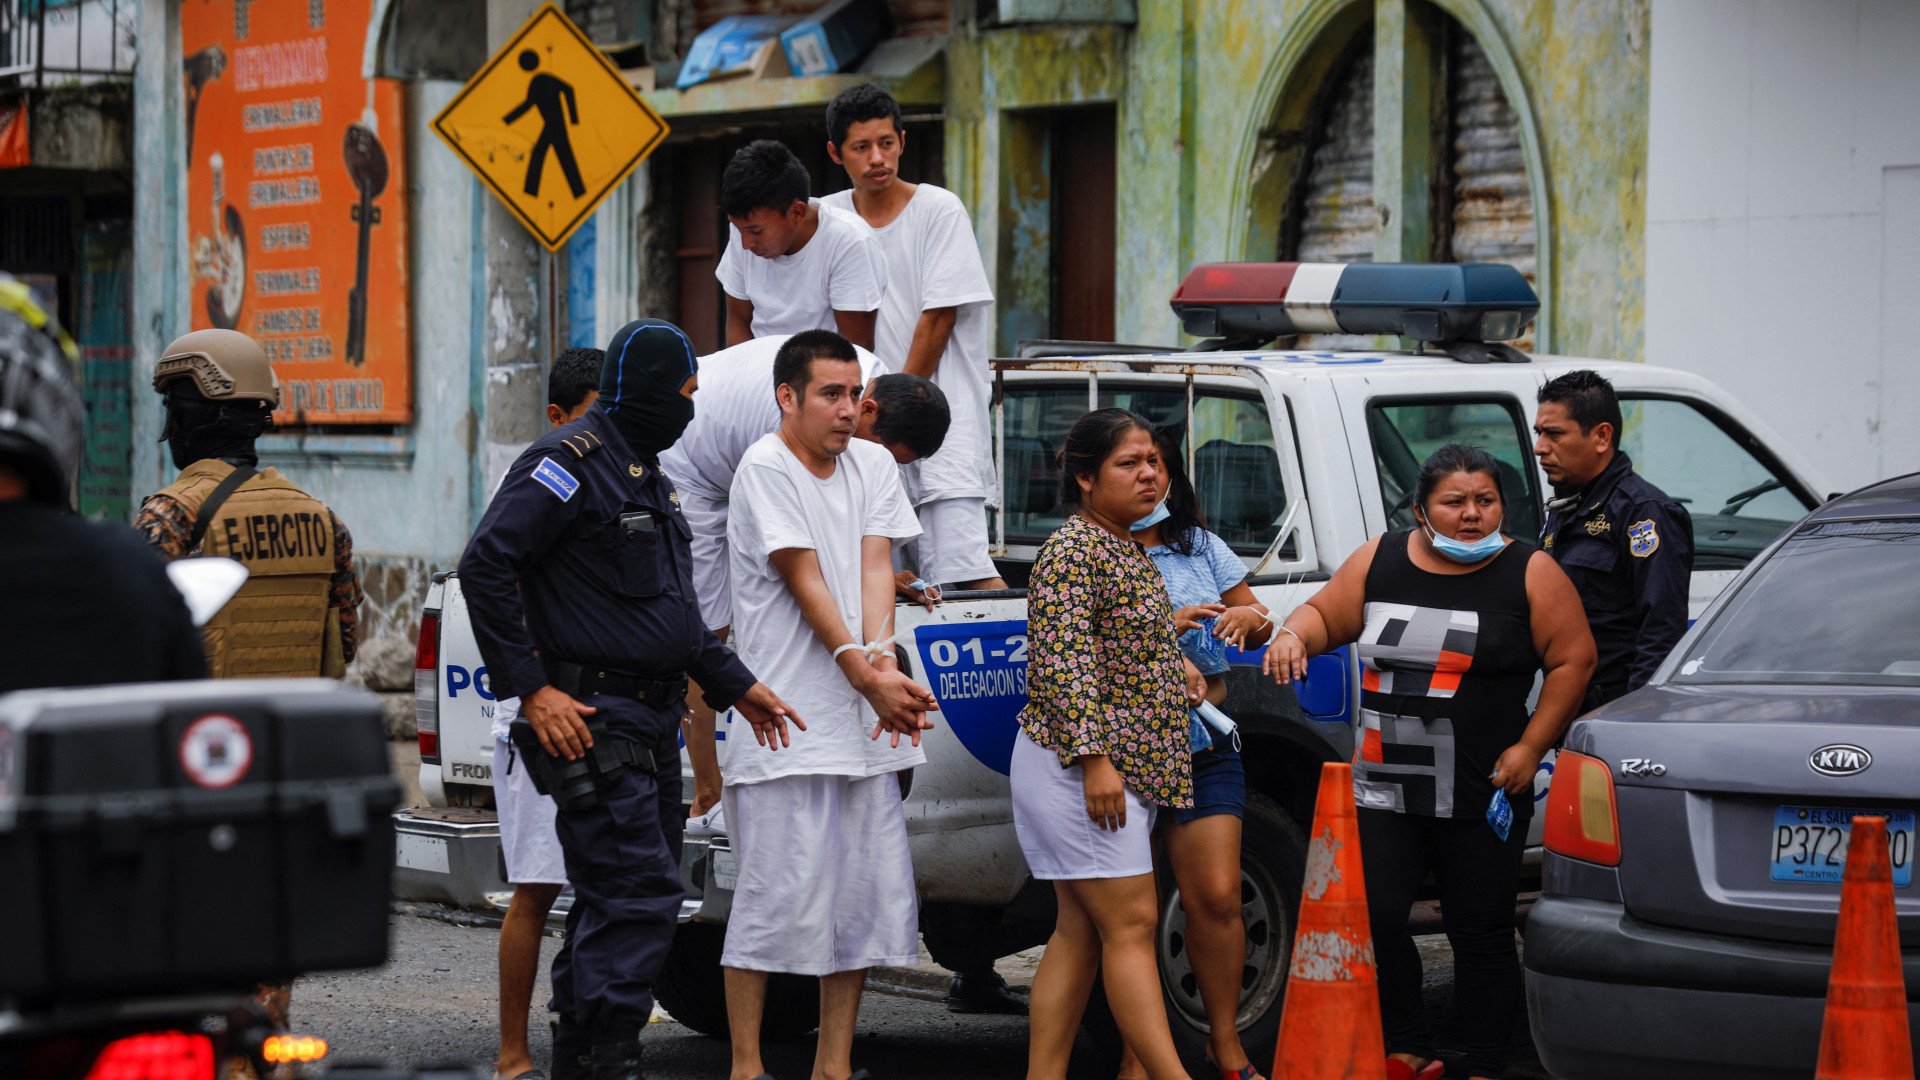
column 280, row 621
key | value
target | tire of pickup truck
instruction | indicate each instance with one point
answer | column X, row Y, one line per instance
column 1273, row 860
column 692, row 988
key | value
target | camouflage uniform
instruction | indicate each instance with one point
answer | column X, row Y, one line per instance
column 167, row 526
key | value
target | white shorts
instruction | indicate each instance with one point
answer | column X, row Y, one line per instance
column 527, row 836
column 826, row 877
column 711, row 585
column 1058, row 838
column 952, row 545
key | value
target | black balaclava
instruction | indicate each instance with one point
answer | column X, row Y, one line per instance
column 648, row 361
column 198, row 428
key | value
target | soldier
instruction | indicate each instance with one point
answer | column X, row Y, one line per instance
column 144, row 634
column 298, row 613
column 580, row 586
column 1627, row 546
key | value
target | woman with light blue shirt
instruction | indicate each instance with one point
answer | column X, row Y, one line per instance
column 1213, row 604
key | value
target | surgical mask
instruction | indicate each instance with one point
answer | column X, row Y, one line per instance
column 1160, row 513
column 1462, row 552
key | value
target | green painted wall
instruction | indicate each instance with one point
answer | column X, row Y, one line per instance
column 1213, row 101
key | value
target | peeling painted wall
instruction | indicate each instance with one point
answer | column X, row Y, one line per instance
column 1200, row 85
column 409, row 498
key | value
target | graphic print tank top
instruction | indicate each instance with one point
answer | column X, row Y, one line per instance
column 1447, row 662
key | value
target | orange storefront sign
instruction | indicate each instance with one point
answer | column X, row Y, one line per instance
column 296, row 211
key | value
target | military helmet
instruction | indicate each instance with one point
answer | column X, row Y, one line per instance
column 41, row 420
column 225, row 365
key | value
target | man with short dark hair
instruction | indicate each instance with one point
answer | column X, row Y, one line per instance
column 1627, row 546
column 903, row 413
column 815, row 516
column 529, row 846
column 791, row 263
column 936, row 320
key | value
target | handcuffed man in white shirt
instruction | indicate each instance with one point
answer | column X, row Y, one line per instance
column 791, row 263
column 904, row 414
column 936, row 320
column 815, row 515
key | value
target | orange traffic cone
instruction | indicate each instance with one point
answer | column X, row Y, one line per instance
column 1330, row 1025
column 1865, row 1035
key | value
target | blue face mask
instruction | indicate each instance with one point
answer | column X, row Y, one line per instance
column 1160, row 513
column 1462, row 552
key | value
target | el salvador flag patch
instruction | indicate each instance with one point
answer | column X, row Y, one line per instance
column 555, row 479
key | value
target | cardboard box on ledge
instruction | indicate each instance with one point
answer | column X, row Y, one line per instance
column 768, row 61
column 834, row 38
column 732, row 46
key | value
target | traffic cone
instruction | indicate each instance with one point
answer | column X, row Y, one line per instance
column 1864, row 1036
column 1330, row 1025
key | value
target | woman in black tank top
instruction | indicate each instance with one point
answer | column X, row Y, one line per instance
column 1452, row 621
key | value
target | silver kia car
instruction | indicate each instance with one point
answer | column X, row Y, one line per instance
column 1697, row 827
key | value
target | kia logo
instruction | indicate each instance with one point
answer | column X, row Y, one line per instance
column 1840, row 759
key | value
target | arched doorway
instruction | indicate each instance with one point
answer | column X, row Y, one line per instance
column 1476, row 196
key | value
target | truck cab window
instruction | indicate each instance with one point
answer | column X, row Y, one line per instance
column 1738, row 502
column 1404, row 432
column 1236, row 471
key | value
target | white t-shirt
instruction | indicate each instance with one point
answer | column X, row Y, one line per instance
column 733, row 407
column 933, row 262
column 840, row 269
column 777, row 505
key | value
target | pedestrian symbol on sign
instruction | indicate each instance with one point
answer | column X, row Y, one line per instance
column 546, row 93
column 591, row 123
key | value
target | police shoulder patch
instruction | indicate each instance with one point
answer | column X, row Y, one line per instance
column 550, row 475
column 1643, row 538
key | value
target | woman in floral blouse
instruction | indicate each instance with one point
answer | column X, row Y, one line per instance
column 1103, row 742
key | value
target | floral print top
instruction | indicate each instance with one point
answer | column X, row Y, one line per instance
column 1104, row 673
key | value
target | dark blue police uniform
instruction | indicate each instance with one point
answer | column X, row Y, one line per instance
column 582, row 564
column 1629, row 549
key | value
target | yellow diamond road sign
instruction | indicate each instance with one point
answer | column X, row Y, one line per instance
column 551, row 126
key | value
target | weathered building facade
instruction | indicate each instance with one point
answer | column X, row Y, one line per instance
column 1104, row 147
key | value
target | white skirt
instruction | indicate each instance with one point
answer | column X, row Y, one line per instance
column 826, row 876
column 1060, row 841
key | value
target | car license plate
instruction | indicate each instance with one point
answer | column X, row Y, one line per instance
column 1810, row 842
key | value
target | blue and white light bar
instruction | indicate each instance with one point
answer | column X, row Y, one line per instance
column 1439, row 302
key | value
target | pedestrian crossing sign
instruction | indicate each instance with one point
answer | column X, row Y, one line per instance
column 550, row 125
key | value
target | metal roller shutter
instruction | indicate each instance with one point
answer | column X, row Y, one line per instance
column 1337, row 217
column 1492, row 218
column 1338, row 221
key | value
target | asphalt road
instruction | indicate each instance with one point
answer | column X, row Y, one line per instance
column 434, row 1004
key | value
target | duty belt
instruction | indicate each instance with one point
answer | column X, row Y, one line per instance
column 583, row 681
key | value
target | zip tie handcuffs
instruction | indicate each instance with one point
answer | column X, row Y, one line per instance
column 874, row 650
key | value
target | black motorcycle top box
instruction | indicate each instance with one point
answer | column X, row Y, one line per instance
column 170, row 838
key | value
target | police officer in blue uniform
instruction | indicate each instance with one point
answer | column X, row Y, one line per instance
column 580, row 588
column 1627, row 546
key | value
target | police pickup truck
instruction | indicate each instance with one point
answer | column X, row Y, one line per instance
column 1326, row 443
